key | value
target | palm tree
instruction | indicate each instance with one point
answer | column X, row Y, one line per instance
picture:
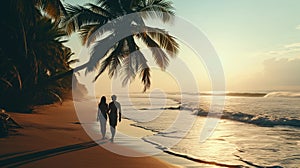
column 31, row 51
column 124, row 53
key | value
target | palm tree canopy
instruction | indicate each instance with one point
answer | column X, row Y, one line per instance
column 124, row 53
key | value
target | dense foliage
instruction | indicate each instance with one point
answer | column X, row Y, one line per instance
column 31, row 52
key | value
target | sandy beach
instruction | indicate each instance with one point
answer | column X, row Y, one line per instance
column 52, row 136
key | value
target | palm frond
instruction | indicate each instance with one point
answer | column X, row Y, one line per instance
column 157, row 9
column 54, row 34
column 56, row 95
column 70, row 27
column 73, row 61
column 163, row 39
column 8, row 83
column 134, row 52
column 86, row 31
column 111, row 6
column 114, row 65
column 99, row 50
column 127, row 69
column 18, row 77
column 50, row 7
column 135, row 3
column 144, row 71
column 159, row 55
column 112, row 61
column 134, row 63
column 100, row 10
column 36, row 66
column 54, row 8
column 67, row 54
column 145, row 75
column 104, row 65
column 24, row 35
column 116, row 55
column 89, row 33
column 79, row 16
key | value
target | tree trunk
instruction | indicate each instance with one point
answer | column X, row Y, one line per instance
column 62, row 75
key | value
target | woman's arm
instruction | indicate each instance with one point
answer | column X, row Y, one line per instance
column 98, row 114
column 107, row 108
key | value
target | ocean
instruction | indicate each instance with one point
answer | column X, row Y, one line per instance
column 255, row 129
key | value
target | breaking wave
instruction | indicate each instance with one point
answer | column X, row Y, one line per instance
column 247, row 94
column 283, row 94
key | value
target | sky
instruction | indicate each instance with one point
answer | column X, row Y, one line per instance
column 257, row 41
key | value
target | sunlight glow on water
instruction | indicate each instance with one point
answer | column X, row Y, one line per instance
column 232, row 142
column 237, row 143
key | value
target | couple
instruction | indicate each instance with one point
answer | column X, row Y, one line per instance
column 113, row 110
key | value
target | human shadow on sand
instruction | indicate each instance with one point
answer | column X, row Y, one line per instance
column 31, row 157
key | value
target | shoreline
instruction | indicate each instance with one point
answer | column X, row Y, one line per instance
column 52, row 137
column 182, row 159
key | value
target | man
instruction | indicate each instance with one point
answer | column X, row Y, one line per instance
column 114, row 110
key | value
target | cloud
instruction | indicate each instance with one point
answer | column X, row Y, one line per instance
column 298, row 27
column 292, row 46
column 279, row 69
column 277, row 74
column 281, row 72
column 289, row 50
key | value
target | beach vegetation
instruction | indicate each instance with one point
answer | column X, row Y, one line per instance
column 32, row 51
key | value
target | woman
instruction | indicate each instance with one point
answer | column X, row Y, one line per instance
column 102, row 115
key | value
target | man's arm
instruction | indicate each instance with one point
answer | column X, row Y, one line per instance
column 120, row 112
